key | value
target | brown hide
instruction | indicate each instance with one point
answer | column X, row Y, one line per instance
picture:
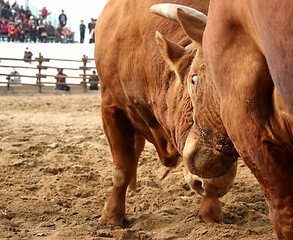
column 145, row 98
column 135, row 79
column 248, row 55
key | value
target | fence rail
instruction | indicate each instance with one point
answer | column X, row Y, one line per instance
column 79, row 78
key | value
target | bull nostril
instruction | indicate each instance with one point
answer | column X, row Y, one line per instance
column 197, row 186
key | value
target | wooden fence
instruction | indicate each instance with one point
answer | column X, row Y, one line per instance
column 80, row 80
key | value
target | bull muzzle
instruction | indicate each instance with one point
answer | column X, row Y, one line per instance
column 209, row 154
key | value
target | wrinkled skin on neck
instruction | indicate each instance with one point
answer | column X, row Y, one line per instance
column 208, row 151
column 198, row 130
column 206, row 148
column 214, row 154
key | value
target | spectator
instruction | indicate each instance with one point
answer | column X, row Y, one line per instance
column 12, row 32
column 27, row 57
column 15, row 6
column 94, row 81
column 27, row 13
column 92, row 37
column 67, row 35
column 42, row 35
column 44, row 12
column 24, row 19
column 50, row 30
column 18, row 17
column 7, row 4
column 59, row 31
column 21, row 10
column 91, row 27
column 12, row 12
column 14, row 76
column 5, row 12
column 61, row 80
column 62, row 19
column 41, row 21
column 33, row 32
column 4, row 28
column 82, row 28
column 3, row 20
column 23, row 32
column 31, row 20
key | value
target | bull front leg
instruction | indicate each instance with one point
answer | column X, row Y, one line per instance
column 211, row 210
column 126, row 146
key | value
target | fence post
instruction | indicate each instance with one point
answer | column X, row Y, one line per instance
column 40, row 59
column 39, row 83
column 84, row 68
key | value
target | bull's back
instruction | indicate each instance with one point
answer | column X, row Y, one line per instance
column 127, row 58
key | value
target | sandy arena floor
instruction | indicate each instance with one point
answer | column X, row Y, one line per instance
column 55, row 176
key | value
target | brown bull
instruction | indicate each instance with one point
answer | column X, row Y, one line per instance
column 247, row 55
column 144, row 99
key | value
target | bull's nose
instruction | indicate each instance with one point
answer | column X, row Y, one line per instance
column 206, row 164
column 189, row 154
column 203, row 156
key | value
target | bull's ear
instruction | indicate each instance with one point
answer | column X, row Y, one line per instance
column 171, row 52
column 193, row 26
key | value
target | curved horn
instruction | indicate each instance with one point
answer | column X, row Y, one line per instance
column 169, row 10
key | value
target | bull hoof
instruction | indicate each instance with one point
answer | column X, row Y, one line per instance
column 111, row 220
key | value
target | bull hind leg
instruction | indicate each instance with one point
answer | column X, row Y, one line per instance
column 126, row 146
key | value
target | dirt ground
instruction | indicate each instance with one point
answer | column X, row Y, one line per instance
column 55, row 176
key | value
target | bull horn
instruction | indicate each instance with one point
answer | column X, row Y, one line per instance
column 169, row 10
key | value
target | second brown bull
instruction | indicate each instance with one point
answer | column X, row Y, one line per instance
column 146, row 96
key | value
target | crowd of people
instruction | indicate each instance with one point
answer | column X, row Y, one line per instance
column 20, row 25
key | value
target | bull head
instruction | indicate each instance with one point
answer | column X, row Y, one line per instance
column 208, row 151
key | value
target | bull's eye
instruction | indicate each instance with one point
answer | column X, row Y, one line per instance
column 193, row 79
